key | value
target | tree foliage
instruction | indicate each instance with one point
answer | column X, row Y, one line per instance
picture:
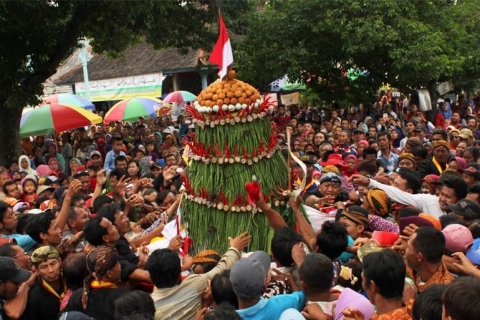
column 409, row 43
column 38, row 35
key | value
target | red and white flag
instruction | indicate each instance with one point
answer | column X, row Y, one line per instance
column 222, row 54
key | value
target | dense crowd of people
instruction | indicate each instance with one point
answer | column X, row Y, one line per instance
column 387, row 226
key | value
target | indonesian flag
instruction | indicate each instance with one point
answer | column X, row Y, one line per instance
column 222, row 54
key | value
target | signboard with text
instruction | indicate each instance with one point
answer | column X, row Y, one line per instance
column 148, row 85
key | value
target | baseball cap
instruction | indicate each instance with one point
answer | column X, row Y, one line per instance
column 465, row 207
column 11, row 201
column 357, row 129
column 11, row 271
column 248, row 274
column 44, row 188
column 466, row 133
column 473, row 254
column 49, row 180
column 458, row 238
column 471, row 170
column 95, row 153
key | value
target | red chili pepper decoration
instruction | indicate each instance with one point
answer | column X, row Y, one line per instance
column 253, row 190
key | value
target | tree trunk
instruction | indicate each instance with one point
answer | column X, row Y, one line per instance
column 9, row 134
column 432, row 90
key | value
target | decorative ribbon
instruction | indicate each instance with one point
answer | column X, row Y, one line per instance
column 103, row 284
column 302, row 165
column 53, row 292
column 437, row 165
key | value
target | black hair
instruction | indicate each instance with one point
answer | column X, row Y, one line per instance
column 39, row 224
column 407, row 212
column 449, row 219
column 357, row 268
column 76, row 198
column 116, row 139
column 387, row 270
column 368, row 166
column 282, row 243
column 93, row 232
column 162, row 195
column 442, row 132
column 475, row 228
column 164, row 268
column 75, row 270
column 474, row 151
column 72, row 215
column 101, row 201
column 7, row 250
column 223, row 311
column 108, row 212
column 134, row 303
column 430, row 242
column 316, row 272
column 384, row 133
column 428, row 303
column 120, row 158
column 138, row 166
column 458, row 185
column 460, row 300
column 333, row 239
column 118, row 173
column 369, row 150
column 222, row 290
column 3, row 209
column 6, row 184
column 414, row 181
column 23, row 221
column 420, row 151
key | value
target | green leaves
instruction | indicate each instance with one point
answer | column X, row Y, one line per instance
column 406, row 43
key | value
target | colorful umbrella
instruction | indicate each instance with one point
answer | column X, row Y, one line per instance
column 132, row 109
column 52, row 117
column 180, row 97
column 70, row 100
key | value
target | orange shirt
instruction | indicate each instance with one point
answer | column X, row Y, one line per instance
column 442, row 276
column 397, row 314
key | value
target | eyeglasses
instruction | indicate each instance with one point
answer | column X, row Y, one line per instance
column 20, row 255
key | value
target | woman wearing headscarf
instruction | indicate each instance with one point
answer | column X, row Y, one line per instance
column 99, row 290
column 54, row 166
column 43, row 170
column 351, row 162
column 157, row 137
column 170, row 146
column 24, row 165
column 108, row 143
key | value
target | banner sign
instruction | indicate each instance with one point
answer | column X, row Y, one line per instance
column 149, row 85
column 289, row 99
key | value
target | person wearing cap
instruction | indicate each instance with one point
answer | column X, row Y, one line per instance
column 309, row 159
column 406, row 160
column 439, row 161
column 11, row 279
column 100, row 290
column 96, row 159
column 180, row 299
column 466, row 135
column 429, row 185
column 329, row 191
column 471, row 174
column 45, row 295
column 424, row 253
column 248, row 277
column 458, row 238
column 465, row 209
